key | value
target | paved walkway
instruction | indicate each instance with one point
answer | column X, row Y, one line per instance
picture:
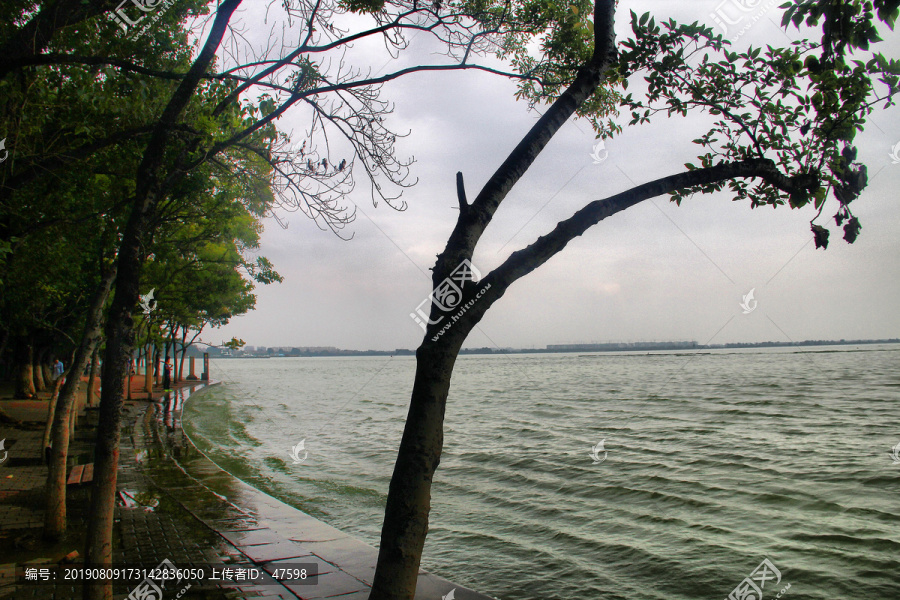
column 176, row 505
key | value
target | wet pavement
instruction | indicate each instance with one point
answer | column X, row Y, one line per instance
column 176, row 505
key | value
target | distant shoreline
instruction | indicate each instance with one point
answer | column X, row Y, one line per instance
column 282, row 352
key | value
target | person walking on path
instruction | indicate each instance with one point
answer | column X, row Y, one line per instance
column 58, row 369
column 167, row 376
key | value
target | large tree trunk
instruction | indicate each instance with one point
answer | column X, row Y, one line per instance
column 119, row 339
column 46, row 371
column 409, row 497
column 25, row 374
column 63, row 421
column 119, row 331
column 39, row 383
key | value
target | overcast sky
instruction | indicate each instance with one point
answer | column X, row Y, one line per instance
column 654, row 272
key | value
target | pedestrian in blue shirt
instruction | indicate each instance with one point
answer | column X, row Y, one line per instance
column 58, row 369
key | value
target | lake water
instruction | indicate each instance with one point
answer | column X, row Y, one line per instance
column 713, row 462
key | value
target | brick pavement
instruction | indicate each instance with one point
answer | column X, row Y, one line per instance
column 175, row 504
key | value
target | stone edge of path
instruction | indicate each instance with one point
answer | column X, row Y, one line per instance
column 279, row 533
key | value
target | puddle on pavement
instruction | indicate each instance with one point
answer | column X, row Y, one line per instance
column 148, row 500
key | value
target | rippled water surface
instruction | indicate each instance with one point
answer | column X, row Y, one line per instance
column 714, row 462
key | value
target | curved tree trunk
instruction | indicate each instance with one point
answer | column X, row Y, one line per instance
column 51, row 415
column 119, row 331
column 119, row 334
column 409, row 496
column 55, row 508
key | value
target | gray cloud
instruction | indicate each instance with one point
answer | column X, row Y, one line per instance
column 655, row 272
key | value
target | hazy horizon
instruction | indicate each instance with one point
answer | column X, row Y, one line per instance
column 809, row 342
column 654, row 272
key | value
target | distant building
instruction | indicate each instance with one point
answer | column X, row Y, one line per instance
column 621, row 346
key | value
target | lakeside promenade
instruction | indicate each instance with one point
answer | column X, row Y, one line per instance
column 174, row 504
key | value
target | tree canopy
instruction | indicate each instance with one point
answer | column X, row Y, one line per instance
column 160, row 150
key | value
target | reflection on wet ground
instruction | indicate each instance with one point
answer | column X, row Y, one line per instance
column 175, row 504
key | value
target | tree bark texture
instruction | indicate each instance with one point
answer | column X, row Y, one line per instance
column 92, row 378
column 409, row 496
column 25, row 371
column 119, row 331
column 64, row 419
column 40, row 384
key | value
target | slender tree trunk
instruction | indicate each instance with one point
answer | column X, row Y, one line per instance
column 132, row 367
column 25, row 375
column 55, row 509
column 75, row 408
column 40, row 384
column 409, row 496
column 92, row 378
column 184, row 332
column 51, row 415
column 119, row 331
column 157, row 351
column 98, row 550
column 148, row 371
column 172, row 330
